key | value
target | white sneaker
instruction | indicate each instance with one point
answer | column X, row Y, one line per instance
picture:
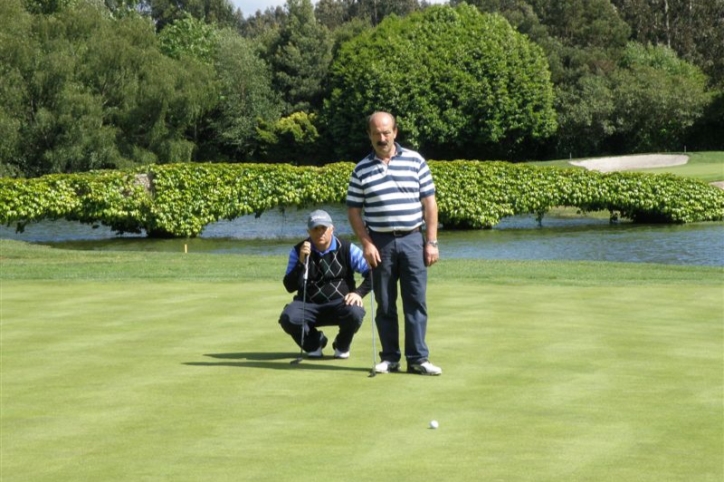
column 316, row 353
column 424, row 368
column 341, row 354
column 387, row 367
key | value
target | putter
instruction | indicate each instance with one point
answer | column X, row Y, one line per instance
column 299, row 359
column 372, row 323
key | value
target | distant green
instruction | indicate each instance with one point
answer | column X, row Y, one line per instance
column 705, row 166
column 118, row 366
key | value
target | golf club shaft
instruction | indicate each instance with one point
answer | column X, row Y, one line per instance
column 373, row 323
column 304, row 298
column 304, row 310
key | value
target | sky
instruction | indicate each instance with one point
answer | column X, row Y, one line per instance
column 249, row 7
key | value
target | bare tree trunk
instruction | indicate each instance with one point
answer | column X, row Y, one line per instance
column 667, row 27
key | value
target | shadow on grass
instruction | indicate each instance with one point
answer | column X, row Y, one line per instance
column 276, row 361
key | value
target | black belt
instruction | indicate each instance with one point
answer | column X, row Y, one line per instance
column 398, row 233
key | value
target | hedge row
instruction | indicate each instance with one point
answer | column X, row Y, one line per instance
column 179, row 200
column 479, row 195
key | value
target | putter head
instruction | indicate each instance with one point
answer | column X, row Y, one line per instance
column 296, row 361
column 372, row 374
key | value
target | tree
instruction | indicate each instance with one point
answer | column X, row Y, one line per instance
column 156, row 102
column 332, row 13
column 93, row 91
column 261, row 24
column 586, row 43
column 658, row 97
column 46, row 7
column 585, row 116
column 16, row 53
column 583, row 23
column 705, row 134
column 189, row 36
column 583, row 40
column 348, row 31
column 246, row 98
column 220, row 13
column 463, row 84
column 300, row 57
column 694, row 29
column 291, row 139
column 60, row 125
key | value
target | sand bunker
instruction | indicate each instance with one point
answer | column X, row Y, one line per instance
column 623, row 163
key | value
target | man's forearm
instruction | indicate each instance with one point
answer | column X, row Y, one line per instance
column 358, row 225
column 429, row 212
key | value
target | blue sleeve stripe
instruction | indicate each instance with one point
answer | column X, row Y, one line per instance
column 293, row 260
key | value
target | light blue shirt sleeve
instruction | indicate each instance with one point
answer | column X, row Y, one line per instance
column 359, row 264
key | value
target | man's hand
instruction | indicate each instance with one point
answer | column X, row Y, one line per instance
column 372, row 256
column 353, row 299
column 432, row 254
column 305, row 250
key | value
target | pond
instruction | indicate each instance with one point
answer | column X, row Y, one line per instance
column 516, row 238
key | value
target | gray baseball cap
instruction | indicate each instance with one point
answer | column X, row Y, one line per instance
column 319, row 218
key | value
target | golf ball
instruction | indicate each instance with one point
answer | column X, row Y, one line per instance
column 434, row 424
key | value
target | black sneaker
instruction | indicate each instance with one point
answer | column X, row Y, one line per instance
column 423, row 367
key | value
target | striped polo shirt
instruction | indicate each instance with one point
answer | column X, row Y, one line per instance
column 390, row 194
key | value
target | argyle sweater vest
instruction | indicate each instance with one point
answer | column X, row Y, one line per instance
column 330, row 275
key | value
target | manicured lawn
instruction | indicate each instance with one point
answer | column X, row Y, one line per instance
column 160, row 366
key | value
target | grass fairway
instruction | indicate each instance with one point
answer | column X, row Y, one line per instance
column 172, row 367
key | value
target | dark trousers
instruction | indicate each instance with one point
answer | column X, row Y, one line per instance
column 402, row 262
column 333, row 313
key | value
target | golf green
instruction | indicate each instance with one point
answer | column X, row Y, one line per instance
column 153, row 367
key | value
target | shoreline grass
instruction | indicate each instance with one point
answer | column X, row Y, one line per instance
column 171, row 367
column 26, row 261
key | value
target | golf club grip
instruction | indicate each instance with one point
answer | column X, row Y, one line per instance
column 306, row 268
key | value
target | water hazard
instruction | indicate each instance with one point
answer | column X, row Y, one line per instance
column 517, row 238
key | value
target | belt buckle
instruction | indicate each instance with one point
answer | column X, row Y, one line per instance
column 400, row 234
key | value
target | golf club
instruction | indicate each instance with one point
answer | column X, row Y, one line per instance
column 372, row 323
column 304, row 312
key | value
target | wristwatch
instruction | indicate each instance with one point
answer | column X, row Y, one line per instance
column 433, row 243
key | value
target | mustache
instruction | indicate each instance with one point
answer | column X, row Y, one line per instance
column 382, row 143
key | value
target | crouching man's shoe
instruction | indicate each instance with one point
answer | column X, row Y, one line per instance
column 318, row 352
column 338, row 353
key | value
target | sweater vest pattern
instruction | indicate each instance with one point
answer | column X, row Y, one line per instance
column 330, row 275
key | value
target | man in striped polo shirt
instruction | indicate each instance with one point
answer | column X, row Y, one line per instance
column 391, row 194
